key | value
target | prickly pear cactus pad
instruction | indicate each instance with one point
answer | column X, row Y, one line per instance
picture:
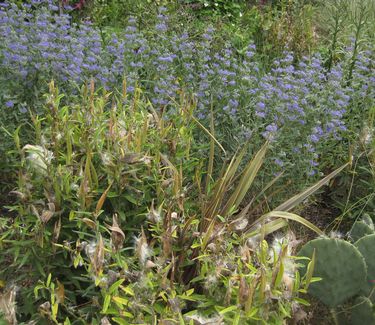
column 341, row 267
column 362, row 312
column 366, row 246
column 361, row 228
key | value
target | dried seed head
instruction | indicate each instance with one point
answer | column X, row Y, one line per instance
column 45, row 308
column 19, row 194
column 117, row 235
column 97, row 259
column 142, row 249
column 245, row 253
column 105, row 321
column 38, row 157
column 367, row 135
column 289, row 283
column 212, row 247
column 175, row 304
column 8, row 305
column 253, row 242
column 74, row 187
column 106, row 159
column 241, row 225
column 336, row 234
column 244, row 291
column 277, row 245
column 211, row 280
column 154, row 215
column 89, row 248
column 150, row 264
column 201, row 320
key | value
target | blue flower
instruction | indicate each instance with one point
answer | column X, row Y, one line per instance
column 9, row 103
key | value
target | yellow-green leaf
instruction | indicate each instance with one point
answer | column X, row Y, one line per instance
column 120, row 300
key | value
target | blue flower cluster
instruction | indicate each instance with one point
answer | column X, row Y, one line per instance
column 297, row 106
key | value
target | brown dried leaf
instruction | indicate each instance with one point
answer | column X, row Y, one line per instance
column 19, row 194
column 102, row 199
column 56, row 230
column 142, row 249
column 60, row 292
column 51, row 207
column 117, row 235
column 105, row 321
column 132, row 158
column 45, row 308
column 46, row 216
column 90, row 223
column 8, row 306
column 244, row 291
column 34, row 210
column 97, row 260
column 150, row 264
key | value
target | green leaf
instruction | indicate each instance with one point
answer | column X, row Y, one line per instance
column 279, row 275
column 181, row 319
column 228, row 309
column 107, row 301
column 310, row 270
column 115, row 286
column 48, row 282
column 302, row 301
column 120, row 300
column 131, row 199
column 127, row 290
column 36, row 290
column 55, row 308
column 120, row 321
column 236, row 320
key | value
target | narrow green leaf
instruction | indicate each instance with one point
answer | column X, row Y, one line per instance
column 48, row 282
column 228, row 309
column 107, row 301
column 120, row 300
column 280, row 275
column 115, row 285
column 236, row 320
column 310, row 270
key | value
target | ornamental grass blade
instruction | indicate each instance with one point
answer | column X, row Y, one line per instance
column 290, row 216
column 297, row 199
column 246, row 180
column 212, row 154
column 209, row 134
column 273, row 226
column 212, row 208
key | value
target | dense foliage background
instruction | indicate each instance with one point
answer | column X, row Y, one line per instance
column 153, row 154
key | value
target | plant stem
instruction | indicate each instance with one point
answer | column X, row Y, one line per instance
column 334, row 316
